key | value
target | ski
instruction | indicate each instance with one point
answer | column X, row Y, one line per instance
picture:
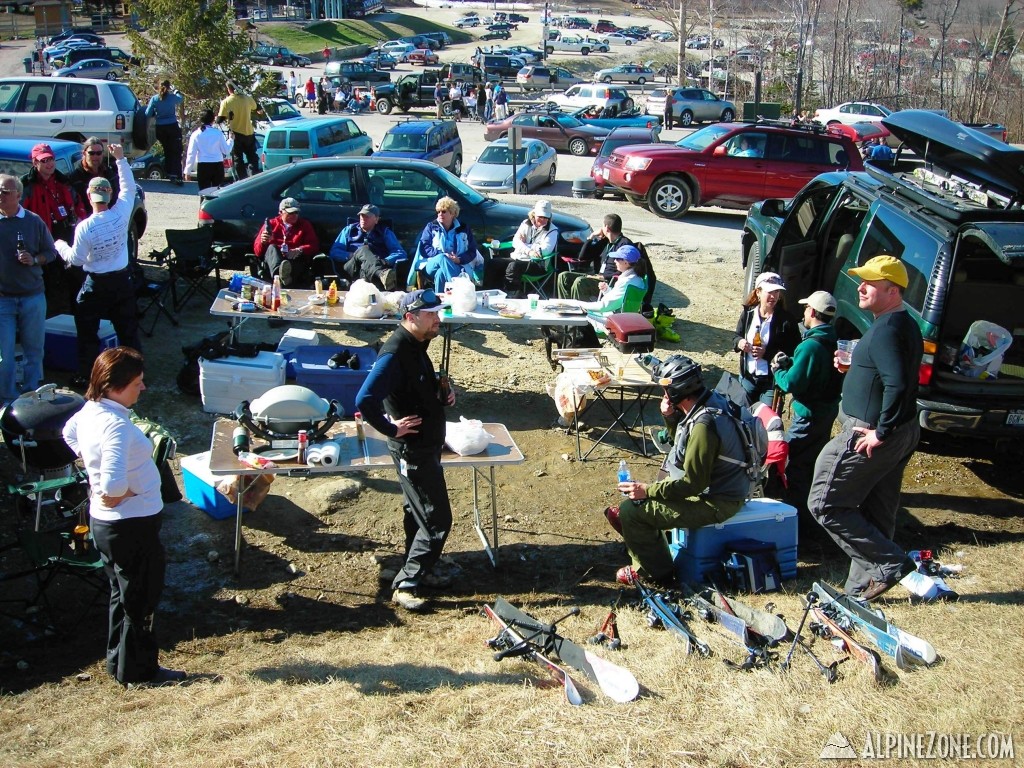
column 826, row 627
column 905, row 648
column 616, row 682
column 664, row 613
column 508, row 643
column 769, row 626
column 739, row 620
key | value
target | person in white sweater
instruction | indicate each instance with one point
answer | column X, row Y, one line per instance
column 125, row 510
column 207, row 148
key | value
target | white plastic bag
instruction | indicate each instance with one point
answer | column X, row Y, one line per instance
column 981, row 353
column 467, row 437
column 363, row 300
column 463, row 294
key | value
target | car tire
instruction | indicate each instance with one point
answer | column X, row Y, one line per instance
column 603, row 49
column 585, row 51
column 446, row 109
column 753, row 267
column 111, row 76
column 669, row 197
column 155, row 172
column 606, row 79
column 578, row 147
column 524, row 187
column 598, row 193
column 728, row 115
column 549, row 50
column 628, row 41
column 457, row 166
column 384, row 106
column 641, row 80
column 686, row 118
column 551, row 174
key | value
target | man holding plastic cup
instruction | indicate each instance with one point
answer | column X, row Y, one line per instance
column 855, row 492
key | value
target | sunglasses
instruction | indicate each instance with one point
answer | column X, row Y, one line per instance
column 426, row 300
column 44, row 160
column 94, row 152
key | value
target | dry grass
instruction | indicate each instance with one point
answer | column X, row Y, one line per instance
column 426, row 692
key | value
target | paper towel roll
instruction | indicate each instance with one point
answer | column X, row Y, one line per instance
column 314, row 454
column 330, row 452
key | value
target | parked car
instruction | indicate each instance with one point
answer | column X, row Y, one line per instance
column 355, row 72
column 500, row 65
column 441, row 37
column 496, row 34
column 423, row 57
column 663, row 37
column 98, row 69
column 625, row 73
column 314, row 137
column 518, row 18
column 852, row 112
column 619, row 137
column 400, row 50
column 604, row 26
column 618, row 38
column 81, row 33
column 590, row 94
column 712, row 166
column 575, row 44
column 73, row 108
column 535, row 77
column 149, row 166
column 861, row 132
column 275, row 111
column 16, row 160
column 610, row 117
column 952, row 227
column 331, row 190
column 502, row 27
column 277, row 55
column 529, row 55
column 491, row 173
column 556, row 130
column 115, row 55
column 380, row 60
column 468, row 21
column 691, row 105
column 435, row 140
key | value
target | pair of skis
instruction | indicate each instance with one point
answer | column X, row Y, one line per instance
column 665, row 613
column 843, row 612
column 756, row 630
column 522, row 635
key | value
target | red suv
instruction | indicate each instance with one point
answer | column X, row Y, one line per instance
column 731, row 165
column 603, row 25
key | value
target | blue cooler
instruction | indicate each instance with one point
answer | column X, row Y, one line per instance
column 60, row 346
column 697, row 551
column 341, row 384
column 201, row 487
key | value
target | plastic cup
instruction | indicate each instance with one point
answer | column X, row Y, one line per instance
column 534, row 300
column 844, row 353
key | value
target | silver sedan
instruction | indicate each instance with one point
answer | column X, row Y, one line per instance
column 625, row 73
column 98, row 69
column 492, row 172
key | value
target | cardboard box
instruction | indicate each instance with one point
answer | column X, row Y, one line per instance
column 227, row 381
column 201, row 487
column 341, row 384
column 60, row 348
column 697, row 551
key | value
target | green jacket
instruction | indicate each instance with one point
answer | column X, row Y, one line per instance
column 812, row 379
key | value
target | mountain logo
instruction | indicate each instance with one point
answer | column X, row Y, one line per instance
column 838, row 747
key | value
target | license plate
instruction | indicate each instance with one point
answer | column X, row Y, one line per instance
column 1015, row 419
column 604, row 172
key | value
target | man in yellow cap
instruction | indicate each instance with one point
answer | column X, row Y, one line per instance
column 855, row 492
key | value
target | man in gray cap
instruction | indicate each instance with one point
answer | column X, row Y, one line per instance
column 404, row 400
column 287, row 244
column 810, row 377
column 369, row 250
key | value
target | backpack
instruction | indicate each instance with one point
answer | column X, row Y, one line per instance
column 753, row 437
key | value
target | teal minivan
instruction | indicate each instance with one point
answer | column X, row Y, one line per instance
column 313, row 137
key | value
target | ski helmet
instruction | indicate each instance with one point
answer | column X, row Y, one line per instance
column 681, row 377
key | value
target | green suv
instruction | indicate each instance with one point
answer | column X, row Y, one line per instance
column 957, row 223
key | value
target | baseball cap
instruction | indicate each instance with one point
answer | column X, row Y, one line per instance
column 39, row 151
column 370, row 209
column 883, row 267
column 821, row 301
column 100, row 190
column 770, row 281
column 542, row 208
column 289, row 205
column 628, row 253
column 415, row 301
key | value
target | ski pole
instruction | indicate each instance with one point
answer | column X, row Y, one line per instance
column 812, row 598
column 830, row 671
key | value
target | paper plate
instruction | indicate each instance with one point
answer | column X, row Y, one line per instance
column 279, row 454
column 317, row 298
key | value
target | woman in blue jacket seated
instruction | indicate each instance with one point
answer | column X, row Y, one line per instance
column 446, row 246
column 631, row 273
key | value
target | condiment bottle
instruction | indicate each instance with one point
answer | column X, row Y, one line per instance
column 444, row 386
column 318, row 287
column 360, row 432
column 276, row 293
column 332, row 293
column 303, row 446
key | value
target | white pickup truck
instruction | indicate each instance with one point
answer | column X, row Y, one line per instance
column 576, row 44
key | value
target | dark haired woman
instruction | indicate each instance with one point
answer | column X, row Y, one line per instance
column 164, row 107
column 764, row 329
column 207, row 149
column 125, row 513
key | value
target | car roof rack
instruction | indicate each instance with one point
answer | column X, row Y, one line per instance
column 794, row 124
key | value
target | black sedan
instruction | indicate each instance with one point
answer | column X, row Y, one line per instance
column 332, row 190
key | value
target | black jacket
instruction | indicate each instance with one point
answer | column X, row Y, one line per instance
column 783, row 334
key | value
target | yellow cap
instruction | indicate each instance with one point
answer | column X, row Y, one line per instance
column 883, row 268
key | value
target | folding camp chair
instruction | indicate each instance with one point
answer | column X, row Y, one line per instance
column 191, row 256
column 540, row 283
column 152, row 296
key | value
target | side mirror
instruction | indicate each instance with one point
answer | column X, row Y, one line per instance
column 774, row 207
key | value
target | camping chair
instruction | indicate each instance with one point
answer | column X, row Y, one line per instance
column 49, row 555
column 154, row 293
column 540, row 283
column 191, row 255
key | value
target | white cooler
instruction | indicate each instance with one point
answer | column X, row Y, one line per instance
column 227, row 381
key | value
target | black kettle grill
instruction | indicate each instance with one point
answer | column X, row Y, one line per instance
column 31, row 426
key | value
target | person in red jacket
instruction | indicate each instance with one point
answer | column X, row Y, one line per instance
column 49, row 195
column 287, row 245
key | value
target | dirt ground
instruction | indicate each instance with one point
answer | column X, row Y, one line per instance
column 318, row 553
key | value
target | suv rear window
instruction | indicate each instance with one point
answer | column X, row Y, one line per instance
column 124, row 98
column 913, row 245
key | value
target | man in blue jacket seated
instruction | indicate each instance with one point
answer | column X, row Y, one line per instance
column 369, row 250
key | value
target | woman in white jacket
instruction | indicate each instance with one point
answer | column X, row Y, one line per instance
column 207, row 148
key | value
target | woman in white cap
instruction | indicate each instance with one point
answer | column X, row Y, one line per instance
column 534, row 243
column 764, row 329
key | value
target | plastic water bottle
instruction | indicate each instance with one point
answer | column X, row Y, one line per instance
column 623, row 472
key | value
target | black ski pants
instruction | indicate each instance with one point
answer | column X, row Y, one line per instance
column 428, row 513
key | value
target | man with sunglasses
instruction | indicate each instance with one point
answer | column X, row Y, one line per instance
column 25, row 246
column 403, row 399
